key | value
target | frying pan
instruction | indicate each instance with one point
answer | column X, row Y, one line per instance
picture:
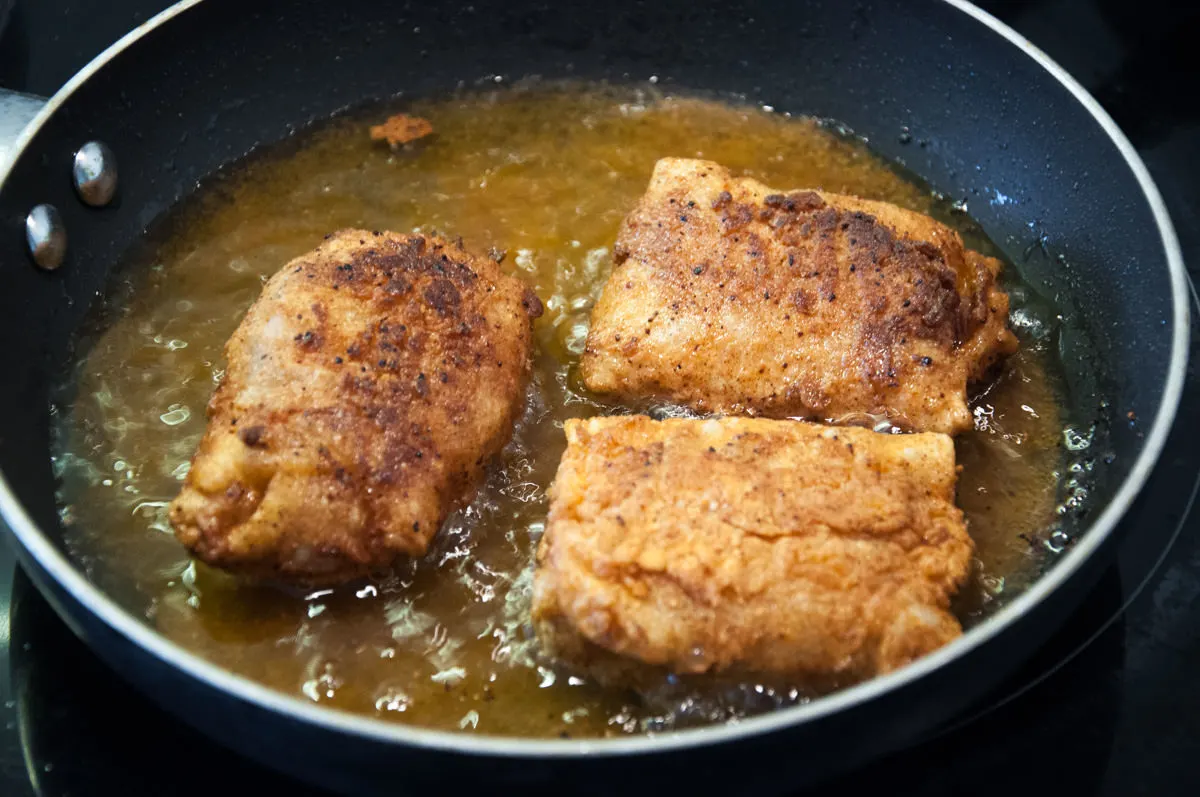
column 937, row 85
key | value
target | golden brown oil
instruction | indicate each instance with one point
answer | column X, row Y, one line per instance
column 546, row 174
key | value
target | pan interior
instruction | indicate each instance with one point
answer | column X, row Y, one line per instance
column 546, row 173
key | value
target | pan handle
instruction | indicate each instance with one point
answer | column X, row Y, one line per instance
column 16, row 111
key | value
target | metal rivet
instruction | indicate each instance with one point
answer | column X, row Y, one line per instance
column 46, row 236
column 95, row 173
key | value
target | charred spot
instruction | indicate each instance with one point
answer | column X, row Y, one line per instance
column 308, row 340
column 938, row 304
column 723, row 199
column 805, row 201
column 443, row 296
column 827, row 220
column 736, row 217
column 620, row 253
column 397, row 286
column 253, row 436
column 411, row 256
column 532, row 304
column 929, row 250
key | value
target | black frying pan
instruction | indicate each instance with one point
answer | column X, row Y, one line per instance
column 204, row 83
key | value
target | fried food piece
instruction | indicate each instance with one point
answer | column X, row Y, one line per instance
column 366, row 389
column 731, row 297
column 751, row 546
column 401, row 129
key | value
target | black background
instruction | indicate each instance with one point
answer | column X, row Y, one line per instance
column 1120, row 718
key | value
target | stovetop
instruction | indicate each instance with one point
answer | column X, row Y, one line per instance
column 1111, row 706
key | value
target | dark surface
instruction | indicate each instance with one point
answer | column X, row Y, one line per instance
column 1122, row 718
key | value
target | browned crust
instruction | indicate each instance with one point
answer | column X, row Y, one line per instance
column 365, row 391
column 823, row 305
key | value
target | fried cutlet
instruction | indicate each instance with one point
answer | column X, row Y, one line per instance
column 749, row 545
column 365, row 392
column 731, row 297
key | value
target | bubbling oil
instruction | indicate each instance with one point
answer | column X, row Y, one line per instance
column 545, row 173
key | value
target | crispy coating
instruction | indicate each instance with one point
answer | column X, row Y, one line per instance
column 730, row 297
column 366, row 390
column 748, row 545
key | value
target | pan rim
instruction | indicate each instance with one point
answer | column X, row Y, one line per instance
column 65, row 573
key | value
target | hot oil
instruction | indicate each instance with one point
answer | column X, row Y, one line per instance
column 547, row 175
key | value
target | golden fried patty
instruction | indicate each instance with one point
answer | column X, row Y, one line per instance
column 365, row 391
column 732, row 297
column 749, row 545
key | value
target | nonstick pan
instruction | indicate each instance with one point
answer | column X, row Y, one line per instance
column 938, row 85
